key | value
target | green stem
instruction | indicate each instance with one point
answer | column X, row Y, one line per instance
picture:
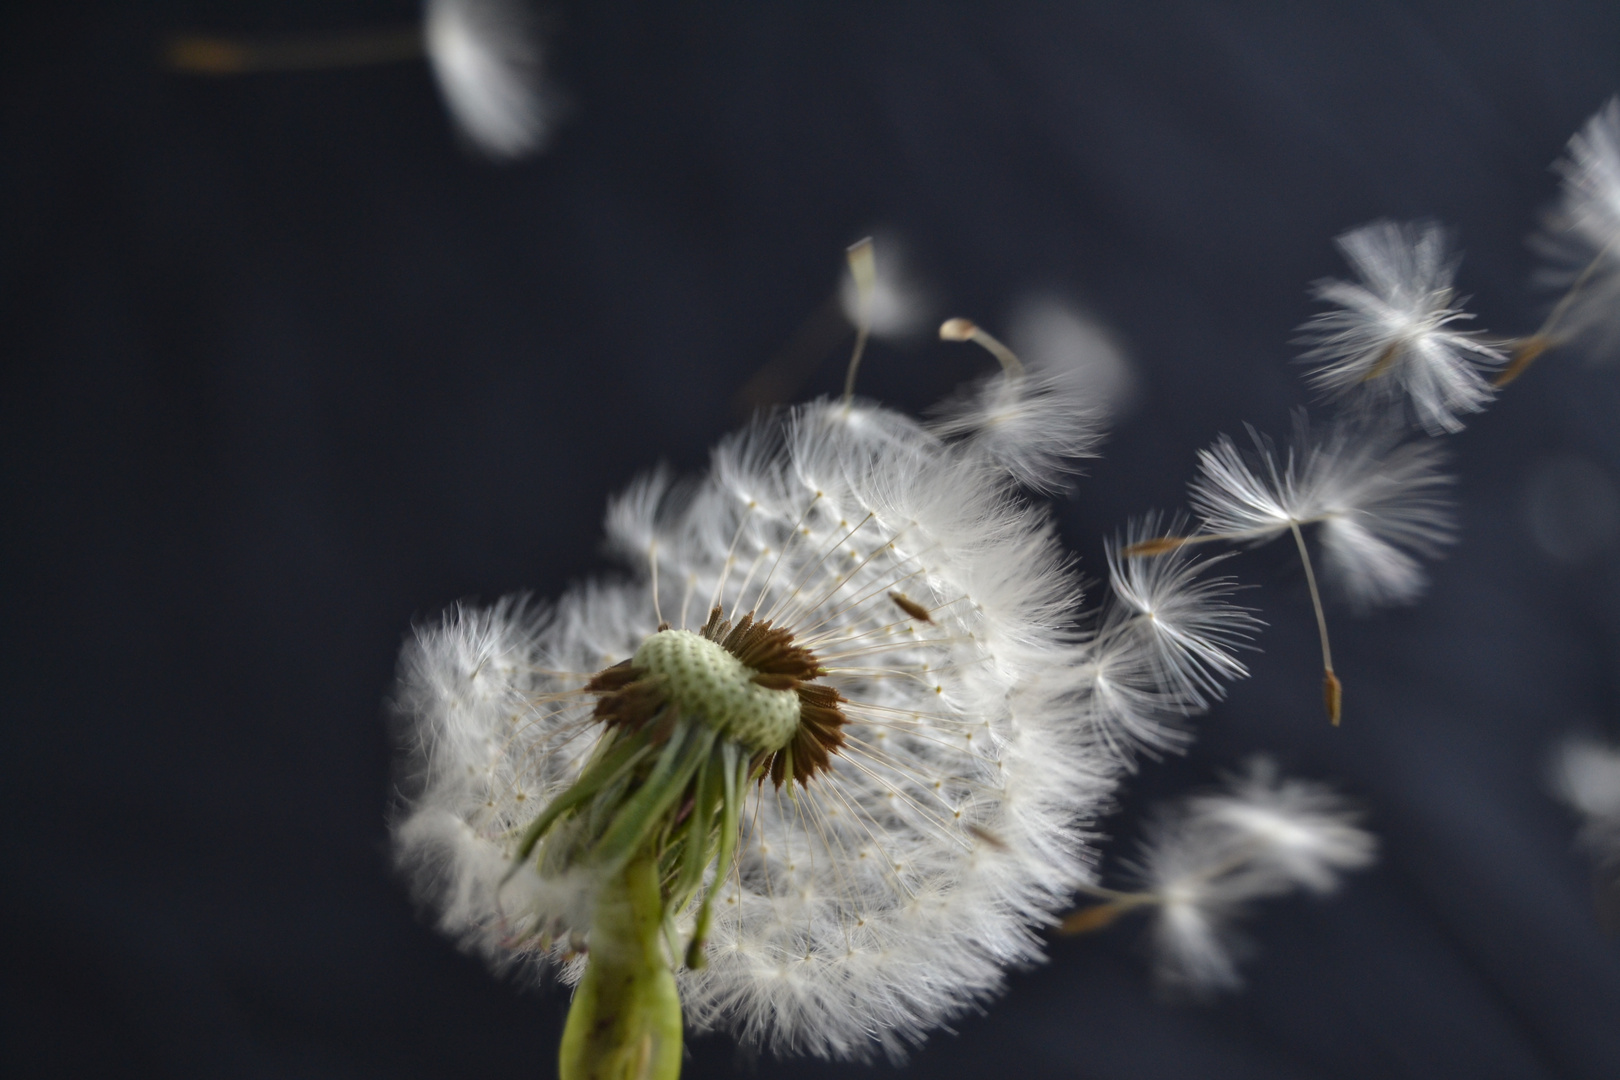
column 625, row 1021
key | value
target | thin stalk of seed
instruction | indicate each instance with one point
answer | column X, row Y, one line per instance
column 967, row 330
column 1163, row 545
column 201, row 54
column 1098, row 916
column 1332, row 691
column 863, row 268
column 1528, row 349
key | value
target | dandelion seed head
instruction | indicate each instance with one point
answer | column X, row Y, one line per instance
column 891, row 863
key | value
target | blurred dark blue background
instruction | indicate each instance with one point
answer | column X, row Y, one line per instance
column 285, row 370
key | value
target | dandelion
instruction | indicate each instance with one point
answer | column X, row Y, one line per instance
column 1378, row 505
column 815, row 772
column 1392, row 333
column 846, row 653
column 1207, row 856
column 1581, row 242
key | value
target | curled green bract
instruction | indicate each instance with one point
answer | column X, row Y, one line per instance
column 650, row 814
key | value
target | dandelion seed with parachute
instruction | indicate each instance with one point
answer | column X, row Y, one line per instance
column 1207, row 856
column 1586, row 776
column 1378, row 504
column 1392, row 334
column 1184, row 621
column 485, row 56
column 1580, row 241
column 1035, row 422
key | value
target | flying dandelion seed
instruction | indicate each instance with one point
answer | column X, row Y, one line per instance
column 1586, row 776
column 1392, row 334
column 485, row 56
column 1206, row 857
column 1580, row 242
column 1378, row 504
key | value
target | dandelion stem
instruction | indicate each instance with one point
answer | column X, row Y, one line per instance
column 199, row 54
column 1331, row 692
column 863, row 268
column 625, row 1019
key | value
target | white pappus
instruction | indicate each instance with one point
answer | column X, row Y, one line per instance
column 1393, row 331
column 1207, row 856
column 1581, row 237
column 1379, row 503
column 1036, row 421
column 486, row 58
column 1586, row 776
column 1164, row 643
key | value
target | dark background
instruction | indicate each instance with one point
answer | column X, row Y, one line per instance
column 285, row 369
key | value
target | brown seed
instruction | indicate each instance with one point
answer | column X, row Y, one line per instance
column 1332, row 695
column 1385, row 359
column 1091, row 918
column 911, row 607
column 1159, row 545
column 987, row 836
column 1523, row 357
